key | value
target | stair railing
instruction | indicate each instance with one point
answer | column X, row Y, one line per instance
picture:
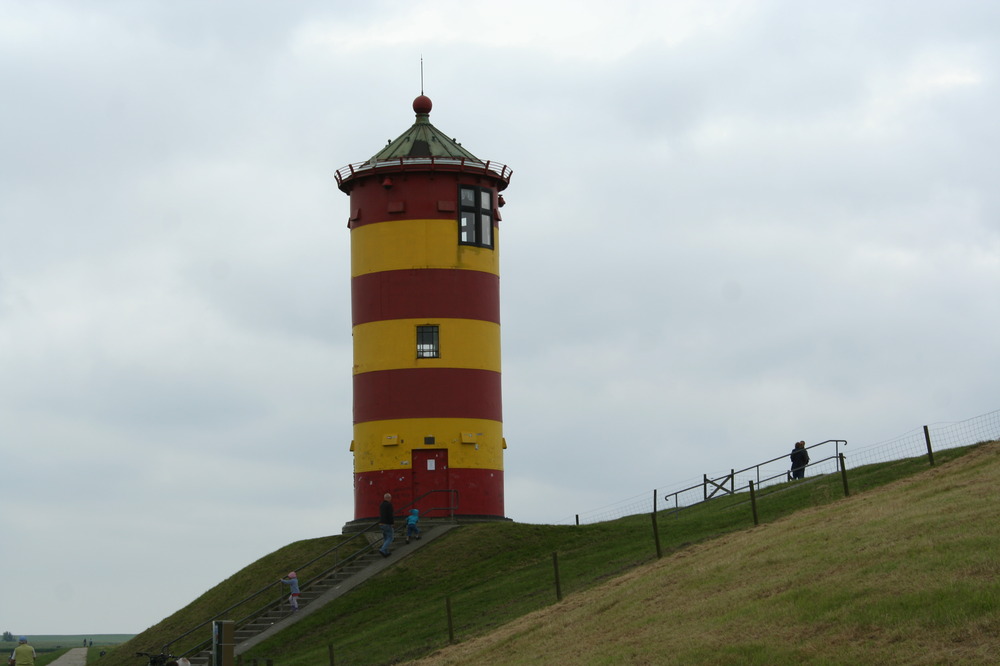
column 221, row 614
column 450, row 508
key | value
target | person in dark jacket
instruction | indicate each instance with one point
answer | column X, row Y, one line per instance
column 385, row 521
column 800, row 458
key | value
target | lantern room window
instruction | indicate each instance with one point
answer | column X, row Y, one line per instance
column 428, row 345
column 475, row 216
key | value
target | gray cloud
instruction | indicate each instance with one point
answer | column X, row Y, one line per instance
column 731, row 226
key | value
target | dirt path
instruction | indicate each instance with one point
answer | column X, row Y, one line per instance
column 75, row 657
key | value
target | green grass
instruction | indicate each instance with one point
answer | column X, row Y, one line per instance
column 51, row 647
column 48, row 642
column 48, row 657
column 226, row 594
column 496, row 573
column 906, row 574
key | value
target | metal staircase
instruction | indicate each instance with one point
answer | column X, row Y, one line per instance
column 279, row 613
column 275, row 615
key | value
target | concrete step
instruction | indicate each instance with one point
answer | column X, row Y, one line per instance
column 280, row 611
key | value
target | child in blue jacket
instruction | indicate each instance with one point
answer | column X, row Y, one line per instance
column 292, row 581
column 411, row 525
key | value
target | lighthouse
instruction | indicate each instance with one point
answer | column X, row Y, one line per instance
column 425, row 303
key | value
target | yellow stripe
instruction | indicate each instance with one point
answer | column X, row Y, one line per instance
column 403, row 244
column 392, row 344
column 384, row 445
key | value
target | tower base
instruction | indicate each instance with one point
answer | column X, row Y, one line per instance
column 442, row 493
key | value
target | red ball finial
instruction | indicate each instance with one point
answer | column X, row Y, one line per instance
column 422, row 104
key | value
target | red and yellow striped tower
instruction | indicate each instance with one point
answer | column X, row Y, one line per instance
column 425, row 294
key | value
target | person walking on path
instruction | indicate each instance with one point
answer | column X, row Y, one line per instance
column 385, row 521
column 411, row 525
column 800, row 458
column 292, row 581
column 23, row 654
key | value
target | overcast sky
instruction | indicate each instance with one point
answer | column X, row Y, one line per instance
column 731, row 226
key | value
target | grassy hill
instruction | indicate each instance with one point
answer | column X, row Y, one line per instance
column 903, row 571
column 907, row 574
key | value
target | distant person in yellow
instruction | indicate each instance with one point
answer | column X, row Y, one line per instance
column 23, row 654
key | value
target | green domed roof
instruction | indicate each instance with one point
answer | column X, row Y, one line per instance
column 422, row 140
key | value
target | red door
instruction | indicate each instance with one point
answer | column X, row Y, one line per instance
column 430, row 472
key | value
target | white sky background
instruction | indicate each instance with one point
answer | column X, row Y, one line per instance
column 731, row 226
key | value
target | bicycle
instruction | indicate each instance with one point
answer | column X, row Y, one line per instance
column 156, row 659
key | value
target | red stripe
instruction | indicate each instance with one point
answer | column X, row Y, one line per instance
column 480, row 493
column 425, row 293
column 414, row 196
column 412, row 393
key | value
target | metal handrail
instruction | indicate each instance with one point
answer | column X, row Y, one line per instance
column 402, row 163
column 243, row 621
column 732, row 475
column 450, row 508
column 835, row 442
column 782, row 475
column 267, row 587
column 339, row 564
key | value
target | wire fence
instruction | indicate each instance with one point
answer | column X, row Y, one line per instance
column 825, row 458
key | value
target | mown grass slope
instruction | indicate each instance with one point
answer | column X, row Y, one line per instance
column 906, row 574
column 498, row 575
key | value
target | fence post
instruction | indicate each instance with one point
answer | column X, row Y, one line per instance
column 329, row 651
column 930, row 451
column 555, row 566
column 654, row 500
column 451, row 626
column 753, row 504
column 843, row 475
column 656, row 536
column 704, row 485
column 577, row 520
